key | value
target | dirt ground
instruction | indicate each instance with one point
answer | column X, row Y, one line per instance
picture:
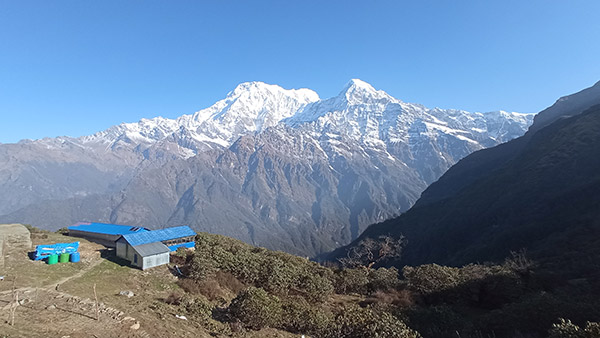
column 58, row 300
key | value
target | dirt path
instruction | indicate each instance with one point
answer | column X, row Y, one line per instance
column 56, row 285
column 51, row 300
column 59, row 312
column 53, row 285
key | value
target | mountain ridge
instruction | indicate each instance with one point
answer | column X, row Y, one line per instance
column 537, row 192
column 293, row 171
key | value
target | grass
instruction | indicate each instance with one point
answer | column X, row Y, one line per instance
column 110, row 275
column 29, row 273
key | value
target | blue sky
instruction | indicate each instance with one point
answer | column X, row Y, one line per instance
column 76, row 67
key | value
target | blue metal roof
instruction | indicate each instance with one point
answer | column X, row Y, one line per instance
column 158, row 235
column 108, row 229
column 185, row 245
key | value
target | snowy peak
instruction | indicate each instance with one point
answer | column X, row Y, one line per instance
column 357, row 85
column 257, row 100
column 249, row 108
column 258, row 89
column 370, row 117
column 359, row 91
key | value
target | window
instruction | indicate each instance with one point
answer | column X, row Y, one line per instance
column 135, row 258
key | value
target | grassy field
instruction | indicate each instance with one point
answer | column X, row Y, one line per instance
column 98, row 266
column 24, row 272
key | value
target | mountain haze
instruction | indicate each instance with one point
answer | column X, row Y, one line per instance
column 274, row 167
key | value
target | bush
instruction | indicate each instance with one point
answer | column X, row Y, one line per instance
column 431, row 278
column 566, row 329
column 201, row 267
column 398, row 298
column 315, row 288
column 273, row 271
column 352, row 281
column 366, row 281
column 227, row 280
column 209, row 288
column 256, row 309
column 181, row 252
column 356, row 322
column 383, row 279
column 302, row 317
column 480, row 285
column 537, row 312
column 438, row 321
column 63, row 231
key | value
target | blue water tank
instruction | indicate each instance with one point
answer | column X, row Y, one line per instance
column 75, row 257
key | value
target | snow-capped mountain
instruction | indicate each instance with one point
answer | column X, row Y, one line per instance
column 275, row 167
column 371, row 116
column 250, row 108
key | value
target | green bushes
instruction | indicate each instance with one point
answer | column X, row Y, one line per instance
column 275, row 272
column 566, row 329
column 356, row 322
column 383, row 279
column 365, row 281
column 536, row 313
column 257, row 309
column 282, row 291
column 352, row 281
column 480, row 285
column 193, row 305
column 303, row 317
column 431, row 278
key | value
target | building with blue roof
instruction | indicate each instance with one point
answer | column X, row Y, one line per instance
column 146, row 249
column 103, row 233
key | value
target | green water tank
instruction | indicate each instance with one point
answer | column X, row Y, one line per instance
column 64, row 258
column 52, row 259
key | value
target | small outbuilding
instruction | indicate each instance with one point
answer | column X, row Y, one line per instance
column 151, row 248
column 146, row 256
column 103, row 233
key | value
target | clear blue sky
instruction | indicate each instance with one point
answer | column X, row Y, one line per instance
column 76, row 67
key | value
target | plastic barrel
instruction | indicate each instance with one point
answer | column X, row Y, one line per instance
column 64, row 258
column 52, row 259
column 75, row 257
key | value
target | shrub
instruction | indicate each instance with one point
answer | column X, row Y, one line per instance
column 383, row 279
column 227, row 280
column 352, row 281
column 369, row 251
column 399, row 298
column 256, row 309
column 537, row 312
column 365, row 281
column 209, row 288
column 431, row 278
column 566, row 329
column 480, row 285
column 356, row 322
column 201, row 267
column 316, row 288
column 302, row 317
column 197, row 306
column 62, row 231
column 181, row 252
column 273, row 271
column 437, row 321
